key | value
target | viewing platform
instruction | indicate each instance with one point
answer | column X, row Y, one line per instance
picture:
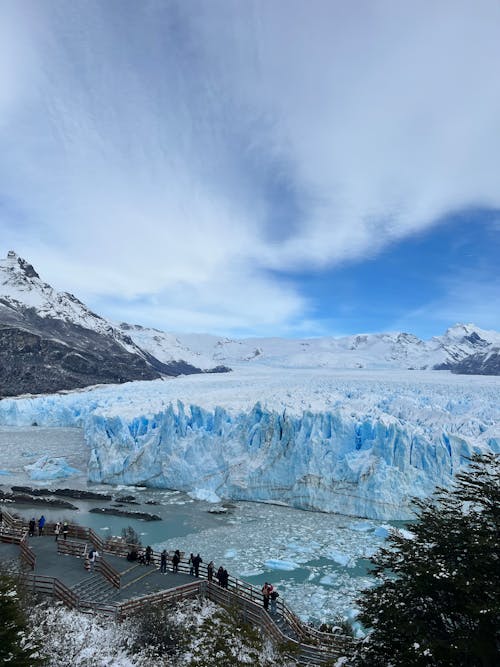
column 120, row 588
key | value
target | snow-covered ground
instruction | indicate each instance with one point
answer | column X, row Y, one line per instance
column 359, row 442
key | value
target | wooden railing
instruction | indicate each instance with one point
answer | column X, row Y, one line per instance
column 55, row 588
column 108, row 571
column 27, row 554
column 184, row 592
column 71, row 548
column 246, row 597
column 11, row 522
column 10, row 535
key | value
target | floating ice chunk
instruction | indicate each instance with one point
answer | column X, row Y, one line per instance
column 251, row 573
column 328, row 580
column 362, row 527
column 46, row 468
column 204, row 494
column 287, row 565
column 301, row 548
column 230, row 553
column 340, row 558
column 4, row 472
column 383, row 531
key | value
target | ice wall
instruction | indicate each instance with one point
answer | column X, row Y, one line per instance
column 367, row 454
column 328, row 461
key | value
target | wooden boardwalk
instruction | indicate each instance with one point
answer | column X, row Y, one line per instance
column 120, row 588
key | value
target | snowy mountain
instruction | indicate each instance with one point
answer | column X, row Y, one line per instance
column 356, row 442
column 461, row 349
column 50, row 340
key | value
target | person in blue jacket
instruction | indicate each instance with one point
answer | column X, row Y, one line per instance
column 41, row 524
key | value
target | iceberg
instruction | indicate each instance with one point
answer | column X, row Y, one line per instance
column 47, row 468
column 286, row 565
column 357, row 443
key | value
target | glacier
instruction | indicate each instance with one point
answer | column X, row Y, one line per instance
column 360, row 443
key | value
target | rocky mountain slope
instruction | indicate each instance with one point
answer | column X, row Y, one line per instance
column 50, row 341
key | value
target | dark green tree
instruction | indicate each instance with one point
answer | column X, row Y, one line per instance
column 438, row 602
column 15, row 648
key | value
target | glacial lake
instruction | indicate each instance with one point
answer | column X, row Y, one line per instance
column 318, row 561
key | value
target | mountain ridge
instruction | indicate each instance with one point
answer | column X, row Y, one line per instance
column 51, row 341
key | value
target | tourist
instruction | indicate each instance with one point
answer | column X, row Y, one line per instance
column 210, row 570
column 176, row 560
column 31, row 527
column 220, row 575
column 132, row 555
column 149, row 553
column 163, row 562
column 57, row 530
column 142, row 557
column 191, row 564
column 93, row 556
column 197, row 560
column 273, row 598
column 225, row 578
column 65, row 530
column 41, row 524
column 266, row 592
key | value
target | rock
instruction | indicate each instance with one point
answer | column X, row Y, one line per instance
column 67, row 493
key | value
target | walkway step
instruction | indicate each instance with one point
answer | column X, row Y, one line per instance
column 148, row 573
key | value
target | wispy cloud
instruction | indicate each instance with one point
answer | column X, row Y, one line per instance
column 164, row 156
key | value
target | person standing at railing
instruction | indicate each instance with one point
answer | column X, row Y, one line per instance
column 148, row 555
column 31, row 527
column 57, row 530
column 176, row 560
column 225, row 578
column 210, row 570
column 41, row 524
column 65, row 530
column 163, row 562
column 197, row 560
column 266, row 592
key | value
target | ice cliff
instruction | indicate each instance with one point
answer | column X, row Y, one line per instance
column 357, row 443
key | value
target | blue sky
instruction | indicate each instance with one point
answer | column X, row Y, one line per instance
column 256, row 168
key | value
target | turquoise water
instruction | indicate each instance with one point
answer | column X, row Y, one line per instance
column 318, row 561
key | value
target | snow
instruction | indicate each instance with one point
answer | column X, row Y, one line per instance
column 69, row 637
column 355, row 442
column 369, row 351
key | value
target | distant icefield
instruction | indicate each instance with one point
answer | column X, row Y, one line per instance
column 354, row 442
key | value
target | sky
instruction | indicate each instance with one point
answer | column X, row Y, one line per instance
column 256, row 167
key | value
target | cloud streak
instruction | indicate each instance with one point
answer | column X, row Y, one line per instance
column 175, row 157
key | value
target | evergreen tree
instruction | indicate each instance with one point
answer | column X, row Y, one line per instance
column 438, row 603
column 15, row 649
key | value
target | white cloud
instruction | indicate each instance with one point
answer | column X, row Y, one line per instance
column 172, row 153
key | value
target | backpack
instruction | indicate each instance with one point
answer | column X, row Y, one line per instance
column 91, row 554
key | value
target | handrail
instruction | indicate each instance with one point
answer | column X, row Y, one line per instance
column 134, row 605
column 243, row 590
column 71, row 548
column 27, row 553
column 55, row 587
column 108, row 572
column 11, row 521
